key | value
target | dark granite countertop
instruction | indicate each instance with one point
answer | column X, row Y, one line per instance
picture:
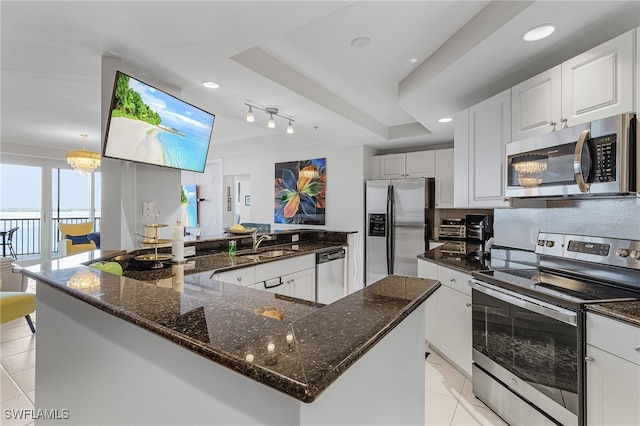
column 467, row 262
column 312, row 346
column 215, row 262
column 628, row 312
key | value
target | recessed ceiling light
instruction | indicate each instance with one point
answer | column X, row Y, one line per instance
column 210, row 84
column 445, row 120
column 538, row 33
column 413, row 60
column 360, row 42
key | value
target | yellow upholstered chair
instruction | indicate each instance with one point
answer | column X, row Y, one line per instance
column 16, row 304
column 75, row 238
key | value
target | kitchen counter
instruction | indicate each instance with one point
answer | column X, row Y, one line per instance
column 628, row 312
column 300, row 356
column 467, row 262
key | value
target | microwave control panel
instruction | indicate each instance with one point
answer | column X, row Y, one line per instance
column 605, row 157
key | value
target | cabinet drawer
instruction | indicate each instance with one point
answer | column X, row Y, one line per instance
column 456, row 280
column 613, row 336
column 427, row 269
column 241, row 276
column 283, row 267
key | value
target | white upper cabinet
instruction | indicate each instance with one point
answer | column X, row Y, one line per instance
column 444, row 178
column 536, row 105
column 489, row 131
column 588, row 87
column 598, row 83
column 405, row 165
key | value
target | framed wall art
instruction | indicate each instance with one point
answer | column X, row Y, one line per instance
column 300, row 192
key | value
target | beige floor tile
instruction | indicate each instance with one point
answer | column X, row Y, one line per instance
column 19, row 362
column 468, row 396
column 8, row 389
column 15, row 323
column 439, row 409
column 444, row 379
column 26, row 380
column 16, row 346
column 16, row 332
column 469, row 414
column 20, row 411
column 32, row 397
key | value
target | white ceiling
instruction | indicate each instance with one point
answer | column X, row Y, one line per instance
column 294, row 55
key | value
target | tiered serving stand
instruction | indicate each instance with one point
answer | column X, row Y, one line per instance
column 155, row 258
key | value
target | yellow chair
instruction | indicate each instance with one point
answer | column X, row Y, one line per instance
column 16, row 304
column 74, row 238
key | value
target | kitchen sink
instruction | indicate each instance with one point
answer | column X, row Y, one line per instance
column 267, row 254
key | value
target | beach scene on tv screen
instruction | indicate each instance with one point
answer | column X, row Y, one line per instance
column 150, row 126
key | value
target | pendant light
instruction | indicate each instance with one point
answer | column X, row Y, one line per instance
column 271, row 123
column 250, row 118
column 82, row 160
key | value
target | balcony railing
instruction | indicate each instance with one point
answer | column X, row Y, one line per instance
column 26, row 240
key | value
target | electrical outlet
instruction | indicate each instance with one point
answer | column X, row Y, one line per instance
column 295, row 237
column 147, row 208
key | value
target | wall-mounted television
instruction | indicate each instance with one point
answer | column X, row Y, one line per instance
column 148, row 125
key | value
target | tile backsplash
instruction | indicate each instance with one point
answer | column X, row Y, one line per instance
column 616, row 217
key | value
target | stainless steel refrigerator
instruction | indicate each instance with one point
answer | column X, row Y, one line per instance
column 399, row 220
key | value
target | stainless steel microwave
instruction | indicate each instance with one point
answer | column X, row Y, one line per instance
column 596, row 158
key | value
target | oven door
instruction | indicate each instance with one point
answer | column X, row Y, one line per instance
column 530, row 346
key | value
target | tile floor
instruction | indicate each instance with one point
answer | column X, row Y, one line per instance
column 449, row 400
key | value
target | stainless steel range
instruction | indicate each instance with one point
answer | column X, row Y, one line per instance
column 528, row 324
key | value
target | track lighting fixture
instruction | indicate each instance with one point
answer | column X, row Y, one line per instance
column 271, row 111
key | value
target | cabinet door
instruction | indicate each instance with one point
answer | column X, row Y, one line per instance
column 455, row 325
column 597, row 83
column 444, row 178
column 420, row 164
column 302, row 284
column 613, row 389
column 489, row 131
column 432, row 319
column 392, row 166
column 535, row 105
column 461, row 159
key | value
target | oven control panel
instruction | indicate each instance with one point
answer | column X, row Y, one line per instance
column 608, row 251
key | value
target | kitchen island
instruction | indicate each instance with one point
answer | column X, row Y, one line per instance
column 117, row 350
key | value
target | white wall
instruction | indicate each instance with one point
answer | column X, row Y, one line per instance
column 209, row 185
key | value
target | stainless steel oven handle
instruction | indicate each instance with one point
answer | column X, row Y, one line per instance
column 577, row 162
column 548, row 310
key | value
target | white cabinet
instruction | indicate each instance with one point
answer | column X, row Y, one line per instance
column 597, row 84
column 536, row 105
column 612, row 372
column 489, row 131
column 405, row 165
column 444, row 178
column 448, row 314
column 241, row 276
column 295, row 277
column 588, row 87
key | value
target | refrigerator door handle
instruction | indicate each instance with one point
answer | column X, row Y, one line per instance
column 390, row 230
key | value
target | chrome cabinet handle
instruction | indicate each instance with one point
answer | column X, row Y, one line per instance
column 589, row 359
column 453, row 280
column 577, row 162
column 552, row 123
column 239, row 279
column 564, row 119
column 468, row 304
column 637, row 348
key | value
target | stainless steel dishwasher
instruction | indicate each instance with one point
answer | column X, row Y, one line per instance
column 330, row 275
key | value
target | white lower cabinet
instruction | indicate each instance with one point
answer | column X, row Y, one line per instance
column 613, row 372
column 448, row 314
column 295, row 277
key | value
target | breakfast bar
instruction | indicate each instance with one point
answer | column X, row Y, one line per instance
column 118, row 350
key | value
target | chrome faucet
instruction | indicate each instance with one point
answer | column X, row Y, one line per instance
column 257, row 241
